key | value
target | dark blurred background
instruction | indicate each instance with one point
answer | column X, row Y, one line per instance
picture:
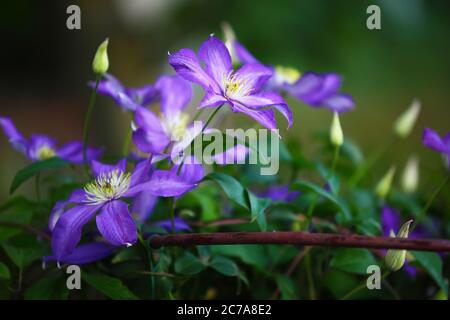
column 45, row 66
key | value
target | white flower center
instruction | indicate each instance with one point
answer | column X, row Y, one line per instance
column 235, row 87
column 175, row 126
column 108, row 186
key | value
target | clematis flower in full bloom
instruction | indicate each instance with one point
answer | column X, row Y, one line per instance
column 127, row 98
column 241, row 89
column 42, row 147
column 154, row 133
column 104, row 195
column 432, row 140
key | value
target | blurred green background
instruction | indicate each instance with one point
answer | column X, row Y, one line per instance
column 45, row 66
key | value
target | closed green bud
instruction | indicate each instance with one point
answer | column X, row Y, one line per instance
column 336, row 134
column 100, row 64
column 395, row 259
column 410, row 177
column 384, row 186
column 405, row 123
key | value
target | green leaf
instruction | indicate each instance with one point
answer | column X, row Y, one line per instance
column 188, row 264
column 48, row 287
column 35, row 168
column 225, row 266
column 352, row 260
column 286, row 286
column 320, row 191
column 4, row 272
column 23, row 256
column 432, row 263
column 109, row 286
column 17, row 210
column 253, row 255
column 351, row 151
column 236, row 192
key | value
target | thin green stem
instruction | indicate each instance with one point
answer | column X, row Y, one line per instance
column 37, row 186
column 198, row 114
column 430, row 201
column 337, row 152
column 172, row 215
column 87, row 122
column 148, row 261
column 361, row 287
column 127, row 142
column 310, row 278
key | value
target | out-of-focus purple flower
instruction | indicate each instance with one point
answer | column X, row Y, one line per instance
column 153, row 134
column 104, row 194
column 241, row 89
column 127, row 98
column 179, row 224
column 316, row 90
column 84, row 254
column 280, row 193
column 321, row 90
column 41, row 147
column 432, row 140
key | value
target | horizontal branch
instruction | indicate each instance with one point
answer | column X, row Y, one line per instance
column 299, row 238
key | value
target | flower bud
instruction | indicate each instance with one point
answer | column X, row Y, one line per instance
column 405, row 123
column 100, row 63
column 410, row 177
column 384, row 185
column 336, row 135
column 230, row 38
column 395, row 259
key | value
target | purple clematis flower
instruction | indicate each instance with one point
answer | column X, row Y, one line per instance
column 321, row 90
column 40, row 147
column 241, row 89
column 432, row 140
column 280, row 193
column 127, row 98
column 153, row 134
column 317, row 90
column 84, row 254
column 104, row 194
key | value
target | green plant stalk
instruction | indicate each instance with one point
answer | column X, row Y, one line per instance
column 37, row 186
column 313, row 204
column 172, row 215
column 87, row 122
column 127, row 142
column 148, row 261
column 430, row 201
column 361, row 287
column 310, row 278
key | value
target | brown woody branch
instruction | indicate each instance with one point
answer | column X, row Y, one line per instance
column 299, row 238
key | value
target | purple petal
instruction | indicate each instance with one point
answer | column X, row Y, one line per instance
column 410, row 270
column 150, row 137
column 55, row 214
column 73, row 152
column 15, row 137
column 175, row 94
column 179, row 224
column 390, row 220
column 116, row 224
column 265, row 99
column 339, row 103
column 191, row 171
column 253, row 75
column 100, row 168
column 186, row 64
column 243, row 54
column 85, row 253
column 234, row 155
column 265, row 117
column 217, row 59
column 67, row 231
column 432, row 140
column 280, row 193
column 36, row 143
column 143, row 95
column 141, row 172
column 163, row 184
column 143, row 205
column 212, row 99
